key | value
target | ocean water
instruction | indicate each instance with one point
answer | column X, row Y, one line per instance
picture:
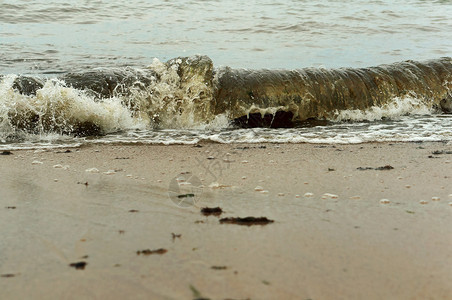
column 46, row 40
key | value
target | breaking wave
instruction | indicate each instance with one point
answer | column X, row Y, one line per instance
column 189, row 93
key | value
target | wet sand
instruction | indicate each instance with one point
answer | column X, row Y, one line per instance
column 369, row 221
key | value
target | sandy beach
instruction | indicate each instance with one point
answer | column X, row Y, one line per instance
column 365, row 221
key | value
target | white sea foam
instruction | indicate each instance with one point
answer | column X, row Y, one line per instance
column 174, row 102
column 58, row 109
column 399, row 106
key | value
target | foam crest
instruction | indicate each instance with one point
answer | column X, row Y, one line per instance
column 179, row 95
column 399, row 106
column 56, row 108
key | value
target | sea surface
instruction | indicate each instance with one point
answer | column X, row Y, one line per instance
column 50, row 39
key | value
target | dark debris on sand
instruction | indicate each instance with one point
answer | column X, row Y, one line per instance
column 175, row 236
column 248, row 221
column 219, row 267
column 386, row 167
column 439, row 152
column 65, row 151
column 5, row 152
column 211, row 211
column 186, row 196
column 149, row 252
column 79, row 265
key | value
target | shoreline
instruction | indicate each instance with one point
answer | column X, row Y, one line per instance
column 334, row 234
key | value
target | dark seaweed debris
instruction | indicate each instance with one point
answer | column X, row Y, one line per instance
column 79, row 265
column 186, row 196
column 211, row 211
column 149, row 252
column 218, row 267
column 8, row 275
column 386, row 167
column 439, row 152
column 6, row 152
column 248, row 221
column 175, row 235
column 66, row 151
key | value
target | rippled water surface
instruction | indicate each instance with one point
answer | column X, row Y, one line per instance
column 60, row 36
